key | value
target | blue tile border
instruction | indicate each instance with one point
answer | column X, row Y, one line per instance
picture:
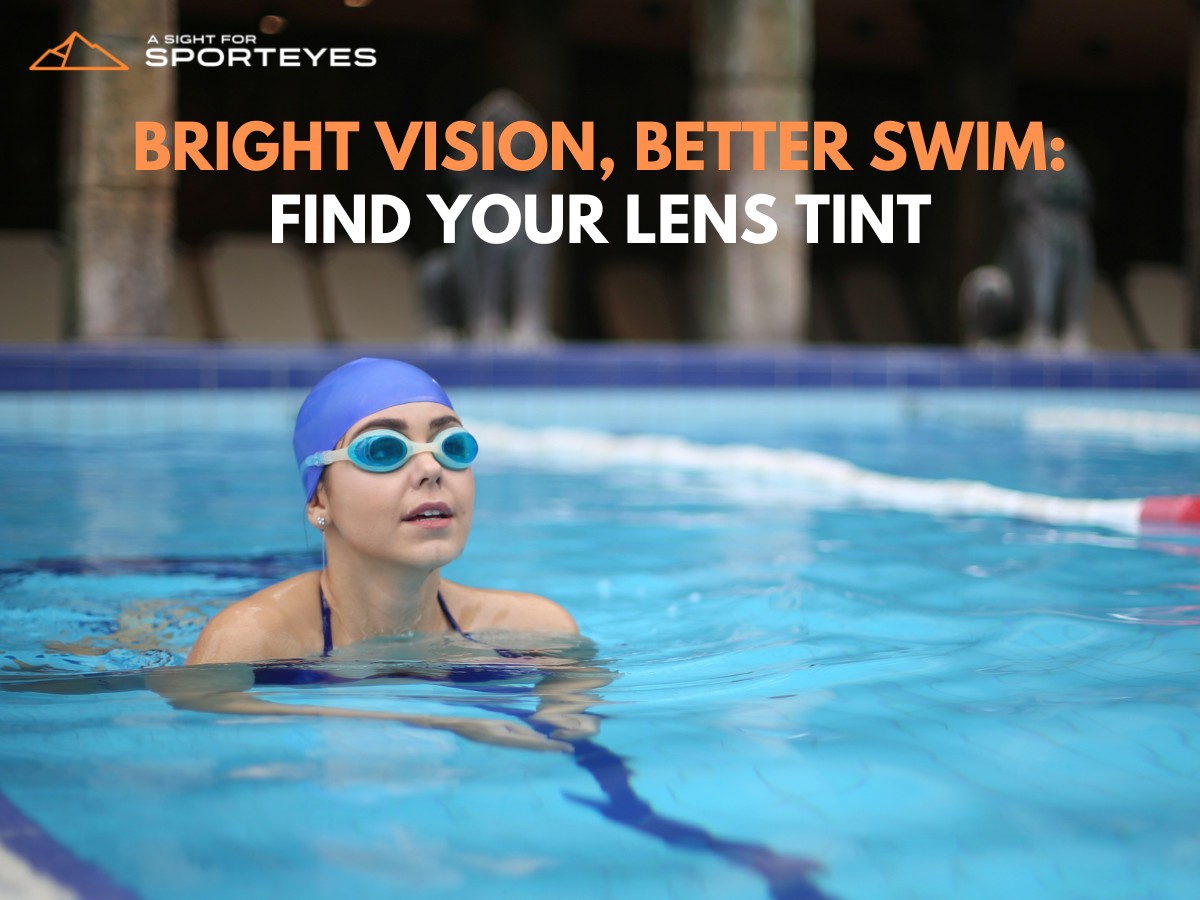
column 44, row 854
column 81, row 367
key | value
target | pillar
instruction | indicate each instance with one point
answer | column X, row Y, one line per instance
column 526, row 49
column 970, row 44
column 753, row 61
column 1191, row 201
column 119, row 223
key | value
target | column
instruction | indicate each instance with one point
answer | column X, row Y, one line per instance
column 970, row 45
column 753, row 61
column 526, row 50
column 119, row 223
column 1191, row 250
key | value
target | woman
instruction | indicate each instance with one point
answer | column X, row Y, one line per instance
column 386, row 466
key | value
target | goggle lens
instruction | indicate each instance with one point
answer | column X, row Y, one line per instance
column 379, row 452
column 386, row 451
column 458, row 450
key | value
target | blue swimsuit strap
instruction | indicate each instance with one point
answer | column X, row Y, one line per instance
column 327, row 623
column 450, row 619
column 499, row 651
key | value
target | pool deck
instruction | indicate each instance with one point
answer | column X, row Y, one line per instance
column 172, row 366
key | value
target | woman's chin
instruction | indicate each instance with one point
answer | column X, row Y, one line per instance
column 424, row 549
column 433, row 555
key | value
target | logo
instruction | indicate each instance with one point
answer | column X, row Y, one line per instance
column 77, row 54
column 242, row 51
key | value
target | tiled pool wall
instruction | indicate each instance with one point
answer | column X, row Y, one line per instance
column 80, row 367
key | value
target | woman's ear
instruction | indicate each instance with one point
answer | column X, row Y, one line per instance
column 318, row 507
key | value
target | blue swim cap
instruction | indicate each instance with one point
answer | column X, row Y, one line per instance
column 352, row 392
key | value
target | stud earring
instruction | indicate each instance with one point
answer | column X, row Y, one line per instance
column 320, row 521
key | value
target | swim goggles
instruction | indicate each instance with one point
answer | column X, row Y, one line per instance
column 383, row 450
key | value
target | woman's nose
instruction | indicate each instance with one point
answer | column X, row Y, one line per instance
column 425, row 468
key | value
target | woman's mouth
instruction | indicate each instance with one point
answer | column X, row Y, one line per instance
column 429, row 515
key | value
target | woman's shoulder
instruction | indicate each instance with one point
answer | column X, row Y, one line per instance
column 489, row 608
column 261, row 626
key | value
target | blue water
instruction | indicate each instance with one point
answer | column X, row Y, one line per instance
column 808, row 697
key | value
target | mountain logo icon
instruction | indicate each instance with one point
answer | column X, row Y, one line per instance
column 77, row 54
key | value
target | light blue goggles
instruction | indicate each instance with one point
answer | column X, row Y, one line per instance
column 386, row 451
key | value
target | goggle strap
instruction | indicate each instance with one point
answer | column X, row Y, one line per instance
column 321, row 458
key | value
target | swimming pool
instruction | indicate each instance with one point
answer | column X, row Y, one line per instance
column 812, row 694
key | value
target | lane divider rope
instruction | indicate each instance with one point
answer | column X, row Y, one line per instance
column 577, row 449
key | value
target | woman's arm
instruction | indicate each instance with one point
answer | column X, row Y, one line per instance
column 224, row 689
column 564, row 698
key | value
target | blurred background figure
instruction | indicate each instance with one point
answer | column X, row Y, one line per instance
column 494, row 293
column 1039, row 292
column 986, row 306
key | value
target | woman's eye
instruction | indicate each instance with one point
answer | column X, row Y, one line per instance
column 382, row 449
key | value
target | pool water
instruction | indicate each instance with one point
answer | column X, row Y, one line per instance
column 802, row 694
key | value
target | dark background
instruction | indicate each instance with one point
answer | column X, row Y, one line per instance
column 1110, row 74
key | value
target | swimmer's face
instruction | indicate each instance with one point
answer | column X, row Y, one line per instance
column 380, row 514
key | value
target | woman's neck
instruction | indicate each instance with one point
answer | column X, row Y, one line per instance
column 369, row 599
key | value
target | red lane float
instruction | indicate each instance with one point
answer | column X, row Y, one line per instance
column 1181, row 510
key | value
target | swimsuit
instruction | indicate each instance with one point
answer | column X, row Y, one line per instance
column 476, row 675
column 327, row 625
